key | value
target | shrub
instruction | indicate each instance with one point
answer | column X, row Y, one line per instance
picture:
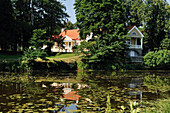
column 165, row 44
column 9, row 66
column 134, row 67
column 157, row 59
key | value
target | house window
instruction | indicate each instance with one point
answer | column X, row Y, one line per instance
column 69, row 44
column 138, row 41
column 134, row 33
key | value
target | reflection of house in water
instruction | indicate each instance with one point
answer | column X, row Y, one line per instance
column 135, row 83
column 68, row 94
column 68, row 88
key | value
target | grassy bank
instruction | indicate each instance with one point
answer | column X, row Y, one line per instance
column 66, row 57
column 9, row 57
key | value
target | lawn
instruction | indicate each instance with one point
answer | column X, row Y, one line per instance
column 66, row 57
column 10, row 57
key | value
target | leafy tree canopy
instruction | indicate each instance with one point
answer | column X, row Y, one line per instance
column 107, row 22
column 156, row 23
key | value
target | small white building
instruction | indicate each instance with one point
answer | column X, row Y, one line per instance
column 135, row 43
column 70, row 39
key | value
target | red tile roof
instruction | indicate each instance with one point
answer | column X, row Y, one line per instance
column 130, row 27
column 73, row 34
column 72, row 95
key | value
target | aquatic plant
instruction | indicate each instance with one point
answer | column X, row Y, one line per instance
column 158, row 106
column 108, row 105
column 157, row 83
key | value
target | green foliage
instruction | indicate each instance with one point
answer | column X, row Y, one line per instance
column 107, row 47
column 8, row 66
column 7, row 29
column 30, row 55
column 134, row 67
column 157, row 83
column 157, row 58
column 156, row 23
column 135, row 11
column 158, row 106
column 38, row 40
column 165, row 44
column 108, row 105
column 85, row 47
column 69, row 25
column 134, row 107
column 21, row 17
column 104, row 53
column 33, row 54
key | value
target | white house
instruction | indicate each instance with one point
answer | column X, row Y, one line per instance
column 70, row 38
column 135, row 43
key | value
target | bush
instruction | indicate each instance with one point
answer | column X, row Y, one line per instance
column 165, row 44
column 81, row 65
column 157, row 59
column 134, row 67
column 9, row 66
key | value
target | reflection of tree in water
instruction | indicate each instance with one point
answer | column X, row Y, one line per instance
column 113, row 84
column 157, row 84
column 100, row 86
column 32, row 89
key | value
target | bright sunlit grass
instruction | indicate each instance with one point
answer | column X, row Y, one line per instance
column 65, row 55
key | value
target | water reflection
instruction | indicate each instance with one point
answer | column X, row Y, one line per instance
column 68, row 94
column 88, row 95
column 137, row 84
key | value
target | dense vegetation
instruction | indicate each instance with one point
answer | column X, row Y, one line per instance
column 106, row 91
column 31, row 23
column 107, row 48
column 21, row 17
column 159, row 59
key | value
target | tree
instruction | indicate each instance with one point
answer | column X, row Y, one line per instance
column 135, row 12
column 108, row 32
column 60, row 42
column 7, row 34
column 38, row 40
column 23, row 10
column 156, row 23
column 21, row 17
column 69, row 25
column 53, row 13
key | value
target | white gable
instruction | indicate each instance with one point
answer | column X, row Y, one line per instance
column 67, row 39
column 134, row 32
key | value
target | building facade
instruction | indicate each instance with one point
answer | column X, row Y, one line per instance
column 135, row 42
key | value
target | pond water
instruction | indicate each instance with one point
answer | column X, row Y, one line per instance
column 88, row 91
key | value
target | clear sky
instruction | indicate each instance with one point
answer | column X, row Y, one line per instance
column 70, row 9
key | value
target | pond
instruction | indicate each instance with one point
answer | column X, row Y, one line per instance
column 84, row 91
